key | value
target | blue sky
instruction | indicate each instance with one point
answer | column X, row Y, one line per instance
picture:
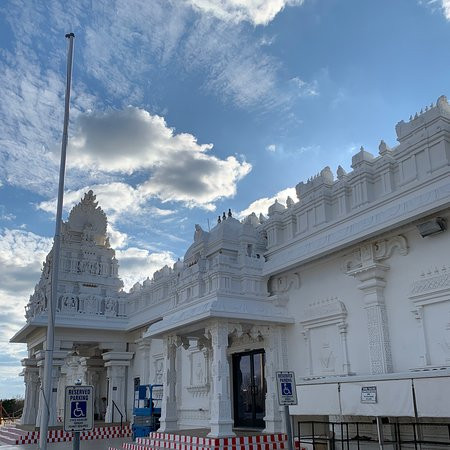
column 183, row 109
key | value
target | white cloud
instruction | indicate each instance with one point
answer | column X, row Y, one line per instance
column 442, row 5
column 305, row 89
column 127, row 140
column 262, row 205
column 21, row 256
column 257, row 12
column 136, row 264
column 117, row 239
column 114, row 198
column 446, row 8
column 179, row 168
column 271, row 148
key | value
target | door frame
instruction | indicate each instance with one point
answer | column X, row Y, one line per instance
column 235, row 366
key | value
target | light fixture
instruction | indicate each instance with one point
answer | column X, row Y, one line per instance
column 432, row 226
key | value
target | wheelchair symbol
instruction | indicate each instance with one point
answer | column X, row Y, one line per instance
column 78, row 409
column 286, row 388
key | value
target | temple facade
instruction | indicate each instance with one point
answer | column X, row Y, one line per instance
column 348, row 286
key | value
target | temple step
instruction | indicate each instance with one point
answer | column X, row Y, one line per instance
column 15, row 436
column 169, row 441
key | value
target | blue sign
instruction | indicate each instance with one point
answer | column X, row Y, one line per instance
column 287, row 390
column 78, row 409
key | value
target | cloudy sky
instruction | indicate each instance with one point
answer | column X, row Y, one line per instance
column 182, row 109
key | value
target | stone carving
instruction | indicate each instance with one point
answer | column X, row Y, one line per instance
column 323, row 321
column 327, row 358
column 199, row 372
column 372, row 252
column 88, row 217
column 280, row 287
column 431, row 281
column 432, row 289
column 159, row 370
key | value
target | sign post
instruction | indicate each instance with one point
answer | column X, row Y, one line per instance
column 78, row 411
column 287, row 395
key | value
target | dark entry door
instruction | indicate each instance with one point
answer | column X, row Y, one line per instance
column 249, row 389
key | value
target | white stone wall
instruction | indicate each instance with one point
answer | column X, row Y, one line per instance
column 325, row 282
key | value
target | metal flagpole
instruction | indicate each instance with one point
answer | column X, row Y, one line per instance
column 46, row 391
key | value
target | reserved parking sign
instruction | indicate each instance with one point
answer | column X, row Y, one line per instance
column 287, row 392
column 79, row 408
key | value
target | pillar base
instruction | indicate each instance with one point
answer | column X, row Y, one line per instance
column 168, row 425
column 273, row 426
column 222, row 429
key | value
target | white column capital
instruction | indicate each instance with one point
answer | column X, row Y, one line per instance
column 117, row 358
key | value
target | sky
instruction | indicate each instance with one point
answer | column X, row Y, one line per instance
column 182, row 109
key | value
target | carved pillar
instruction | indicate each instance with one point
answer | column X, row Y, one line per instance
column 366, row 266
column 342, row 327
column 93, row 371
column 220, row 411
column 372, row 283
column 116, row 364
column 273, row 363
column 143, row 347
column 169, row 416
column 306, row 336
column 31, row 379
column 51, row 403
column 424, row 355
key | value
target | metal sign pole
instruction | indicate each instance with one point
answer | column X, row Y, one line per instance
column 287, row 395
column 76, row 440
column 46, row 393
column 287, row 419
column 76, row 434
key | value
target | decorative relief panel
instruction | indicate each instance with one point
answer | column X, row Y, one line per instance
column 198, row 371
column 430, row 296
column 325, row 332
column 158, row 369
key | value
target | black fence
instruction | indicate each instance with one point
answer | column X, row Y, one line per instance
column 359, row 435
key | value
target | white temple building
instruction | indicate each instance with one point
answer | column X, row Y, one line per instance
column 348, row 286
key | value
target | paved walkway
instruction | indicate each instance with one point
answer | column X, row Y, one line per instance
column 94, row 444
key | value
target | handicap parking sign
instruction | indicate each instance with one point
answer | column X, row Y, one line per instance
column 286, row 388
column 79, row 408
column 287, row 392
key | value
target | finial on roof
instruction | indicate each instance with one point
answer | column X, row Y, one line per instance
column 383, row 148
column 341, row 173
column 229, row 213
column 218, row 219
column 261, row 218
column 442, row 101
column 289, row 202
column 224, row 217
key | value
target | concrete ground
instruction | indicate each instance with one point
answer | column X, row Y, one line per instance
column 95, row 444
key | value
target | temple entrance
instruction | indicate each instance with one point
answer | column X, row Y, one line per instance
column 249, row 389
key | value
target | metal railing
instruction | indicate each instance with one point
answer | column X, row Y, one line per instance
column 6, row 417
column 114, row 406
column 356, row 435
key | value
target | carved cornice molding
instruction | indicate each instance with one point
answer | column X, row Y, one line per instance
column 369, row 254
column 432, row 286
column 330, row 310
column 280, row 287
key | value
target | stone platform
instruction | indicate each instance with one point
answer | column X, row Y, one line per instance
column 13, row 435
column 197, row 440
